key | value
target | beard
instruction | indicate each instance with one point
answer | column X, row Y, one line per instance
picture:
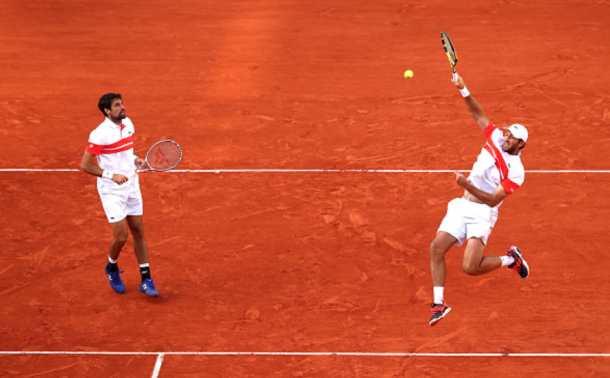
column 511, row 151
column 120, row 117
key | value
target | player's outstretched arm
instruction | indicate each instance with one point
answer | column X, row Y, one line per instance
column 476, row 112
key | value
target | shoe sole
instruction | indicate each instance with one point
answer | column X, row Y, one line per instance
column 153, row 295
column 439, row 319
column 518, row 251
column 116, row 291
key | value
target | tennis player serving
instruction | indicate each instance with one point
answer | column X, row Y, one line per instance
column 497, row 173
column 119, row 189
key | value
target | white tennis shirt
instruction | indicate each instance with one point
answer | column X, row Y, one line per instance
column 495, row 167
column 113, row 146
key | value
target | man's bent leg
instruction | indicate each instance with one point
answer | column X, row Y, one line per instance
column 438, row 268
column 120, row 233
column 474, row 263
column 439, row 246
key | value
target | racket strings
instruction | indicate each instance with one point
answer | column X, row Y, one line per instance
column 449, row 49
column 164, row 156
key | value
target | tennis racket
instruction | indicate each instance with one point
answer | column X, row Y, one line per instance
column 162, row 157
column 451, row 53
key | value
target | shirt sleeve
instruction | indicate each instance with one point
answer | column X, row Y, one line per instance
column 513, row 181
column 95, row 143
column 494, row 135
column 489, row 130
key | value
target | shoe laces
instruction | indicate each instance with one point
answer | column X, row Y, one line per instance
column 517, row 264
column 437, row 307
column 150, row 283
column 115, row 275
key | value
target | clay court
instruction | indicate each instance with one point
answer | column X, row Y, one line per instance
column 297, row 227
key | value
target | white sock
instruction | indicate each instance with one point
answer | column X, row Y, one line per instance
column 438, row 294
column 112, row 261
column 144, row 265
column 507, row 260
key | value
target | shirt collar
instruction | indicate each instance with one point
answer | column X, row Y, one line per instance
column 110, row 123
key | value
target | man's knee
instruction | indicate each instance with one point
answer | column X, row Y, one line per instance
column 436, row 251
column 470, row 268
column 120, row 238
column 138, row 233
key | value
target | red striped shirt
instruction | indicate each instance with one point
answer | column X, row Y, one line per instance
column 508, row 185
column 122, row 145
column 113, row 145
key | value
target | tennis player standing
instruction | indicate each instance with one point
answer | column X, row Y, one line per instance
column 497, row 173
column 119, row 189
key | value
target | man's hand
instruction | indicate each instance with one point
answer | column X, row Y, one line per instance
column 138, row 162
column 119, row 178
column 459, row 83
column 461, row 180
column 491, row 200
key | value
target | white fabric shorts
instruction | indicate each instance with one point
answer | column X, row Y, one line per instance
column 121, row 201
column 465, row 220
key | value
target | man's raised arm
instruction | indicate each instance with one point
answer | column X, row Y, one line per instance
column 476, row 112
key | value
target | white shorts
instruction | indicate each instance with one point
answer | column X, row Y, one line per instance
column 121, row 201
column 465, row 220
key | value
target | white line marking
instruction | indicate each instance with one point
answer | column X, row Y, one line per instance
column 308, row 170
column 158, row 365
column 36, row 170
column 161, row 355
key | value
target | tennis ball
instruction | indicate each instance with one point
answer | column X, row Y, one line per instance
column 408, row 74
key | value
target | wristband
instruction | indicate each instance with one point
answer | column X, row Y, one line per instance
column 465, row 92
column 107, row 175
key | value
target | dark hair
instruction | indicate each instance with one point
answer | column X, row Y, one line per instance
column 106, row 101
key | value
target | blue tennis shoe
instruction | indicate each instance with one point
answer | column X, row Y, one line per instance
column 115, row 280
column 148, row 287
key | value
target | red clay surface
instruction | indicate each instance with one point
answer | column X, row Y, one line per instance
column 302, row 262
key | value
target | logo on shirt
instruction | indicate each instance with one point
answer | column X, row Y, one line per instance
column 508, row 165
column 90, row 146
column 129, row 133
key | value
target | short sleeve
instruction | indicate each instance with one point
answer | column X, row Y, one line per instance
column 95, row 144
column 494, row 135
column 489, row 130
column 515, row 179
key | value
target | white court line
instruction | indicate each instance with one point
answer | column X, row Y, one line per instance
column 158, row 365
column 307, row 170
column 347, row 354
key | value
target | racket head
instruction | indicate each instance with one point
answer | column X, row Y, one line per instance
column 449, row 50
column 162, row 156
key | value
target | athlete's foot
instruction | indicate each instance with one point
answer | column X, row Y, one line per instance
column 148, row 287
column 438, row 312
column 520, row 266
column 115, row 281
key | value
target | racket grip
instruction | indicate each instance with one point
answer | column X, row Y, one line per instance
column 455, row 76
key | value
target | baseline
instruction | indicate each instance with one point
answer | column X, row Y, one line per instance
column 161, row 355
column 305, row 170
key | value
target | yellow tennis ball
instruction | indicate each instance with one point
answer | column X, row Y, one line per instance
column 408, row 74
